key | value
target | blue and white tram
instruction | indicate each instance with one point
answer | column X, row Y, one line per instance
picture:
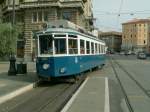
column 66, row 52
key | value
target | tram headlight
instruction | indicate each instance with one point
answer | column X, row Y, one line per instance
column 45, row 66
column 63, row 70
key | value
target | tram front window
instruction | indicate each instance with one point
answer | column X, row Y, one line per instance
column 46, row 46
column 60, row 46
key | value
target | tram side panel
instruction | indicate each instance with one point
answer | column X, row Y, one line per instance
column 72, row 65
column 91, row 61
column 67, row 65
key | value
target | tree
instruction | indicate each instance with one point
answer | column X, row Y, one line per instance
column 8, row 39
column 1, row 1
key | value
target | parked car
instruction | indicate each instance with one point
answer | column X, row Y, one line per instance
column 141, row 55
column 122, row 53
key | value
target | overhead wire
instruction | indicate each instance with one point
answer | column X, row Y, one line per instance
column 122, row 13
column 118, row 16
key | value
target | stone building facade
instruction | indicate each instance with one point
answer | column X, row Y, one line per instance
column 136, row 35
column 113, row 40
column 30, row 15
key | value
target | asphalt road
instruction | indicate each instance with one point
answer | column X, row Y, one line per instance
column 33, row 101
column 134, row 76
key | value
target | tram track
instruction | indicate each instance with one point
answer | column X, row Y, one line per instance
column 122, row 88
column 43, row 99
column 113, row 62
column 131, row 77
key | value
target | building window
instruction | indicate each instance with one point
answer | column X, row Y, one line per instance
column 34, row 16
column 40, row 16
column 67, row 15
column 45, row 15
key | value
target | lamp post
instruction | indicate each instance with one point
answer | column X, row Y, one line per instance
column 12, row 67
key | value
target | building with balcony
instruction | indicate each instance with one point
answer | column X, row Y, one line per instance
column 30, row 15
column 113, row 40
column 136, row 35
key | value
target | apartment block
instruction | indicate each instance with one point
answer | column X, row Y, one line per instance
column 113, row 40
column 30, row 15
column 136, row 35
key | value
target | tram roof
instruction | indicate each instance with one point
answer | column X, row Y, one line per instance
column 65, row 30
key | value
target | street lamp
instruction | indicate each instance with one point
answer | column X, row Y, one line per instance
column 12, row 67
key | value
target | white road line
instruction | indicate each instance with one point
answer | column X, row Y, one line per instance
column 15, row 93
column 74, row 96
column 107, row 105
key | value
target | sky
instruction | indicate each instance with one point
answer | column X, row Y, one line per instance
column 110, row 14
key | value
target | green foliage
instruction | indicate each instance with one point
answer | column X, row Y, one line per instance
column 8, row 39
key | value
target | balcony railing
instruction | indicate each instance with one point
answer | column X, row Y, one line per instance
column 39, row 3
column 45, row 3
column 73, row 3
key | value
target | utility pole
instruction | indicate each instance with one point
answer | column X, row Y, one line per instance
column 13, row 22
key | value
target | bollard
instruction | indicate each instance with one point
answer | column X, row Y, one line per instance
column 21, row 68
column 12, row 67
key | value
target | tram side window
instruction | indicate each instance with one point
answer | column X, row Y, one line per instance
column 95, row 47
column 73, row 46
column 102, row 49
column 60, row 46
column 82, row 48
column 99, row 48
column 45, row 42
column 92, row 47
column 87, row 47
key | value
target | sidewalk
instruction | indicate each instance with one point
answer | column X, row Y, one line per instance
column 11, row 86
column 92, row 96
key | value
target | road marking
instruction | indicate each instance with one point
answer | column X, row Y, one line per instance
column 107, row 105
column 67, row 106
column 15, row 93
column 137, row 96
